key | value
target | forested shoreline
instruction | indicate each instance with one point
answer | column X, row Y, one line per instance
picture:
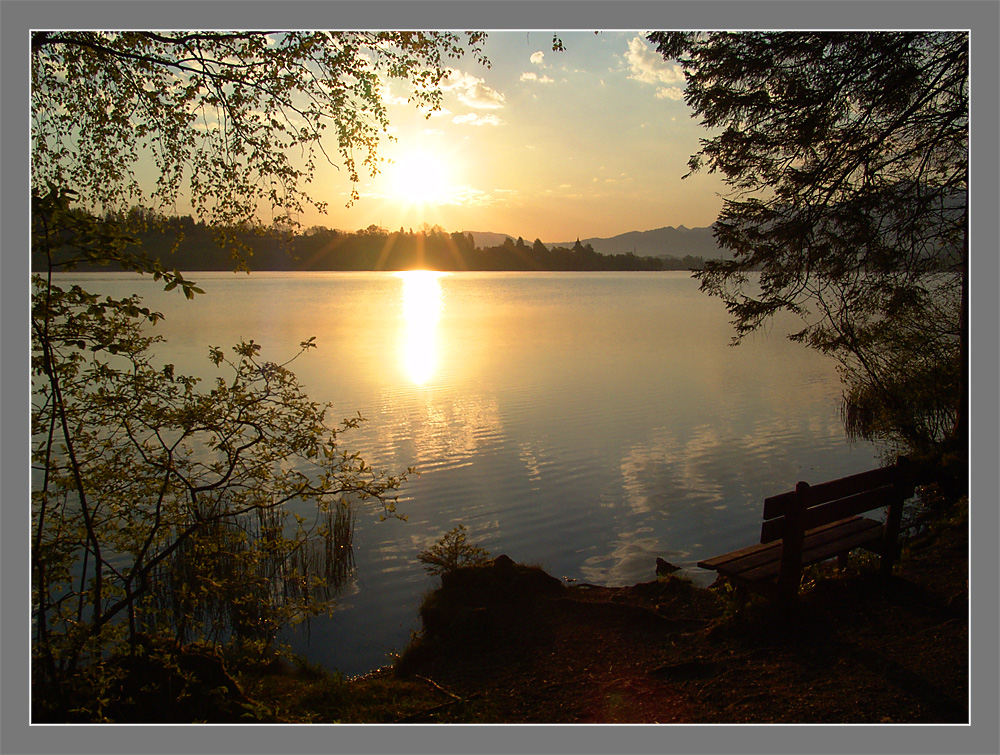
column 181, row 243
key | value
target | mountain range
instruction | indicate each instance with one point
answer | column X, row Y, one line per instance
column 659, row 242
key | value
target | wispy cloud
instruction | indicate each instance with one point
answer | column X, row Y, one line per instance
column 472, row 91
column 389, row 98
column 476, row 119
column 471, row 197
column 531, row 76
column 537, row 58
column 670, row 93
column 649, row 67
column 456, row 196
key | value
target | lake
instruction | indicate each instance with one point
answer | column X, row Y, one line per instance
column 584, row 422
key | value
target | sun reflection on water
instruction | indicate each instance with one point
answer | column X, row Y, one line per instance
column 423, row 301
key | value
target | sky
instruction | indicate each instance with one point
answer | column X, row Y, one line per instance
column 590, row 141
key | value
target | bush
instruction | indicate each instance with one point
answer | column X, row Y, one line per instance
column 451, row 552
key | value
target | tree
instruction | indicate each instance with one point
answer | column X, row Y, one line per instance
column 159, row 506
column 846, row 157
column 236, row 120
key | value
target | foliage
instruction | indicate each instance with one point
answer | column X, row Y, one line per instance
column 233, row 120
column 153, row 682
column 159, row 506
column 846, row 156
column 451, row 552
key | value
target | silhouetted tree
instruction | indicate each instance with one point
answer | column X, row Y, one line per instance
column 846, row 156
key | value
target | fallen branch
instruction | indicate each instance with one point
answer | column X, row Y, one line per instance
column 437, row 686
column 436, row 709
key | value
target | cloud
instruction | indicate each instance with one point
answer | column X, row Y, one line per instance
column 649, row 67
column 476, row 119
column 468, row 196
column 530, row 76
column 537, row 57
column 389, row 98
column 471, row 197
column 670, row 93
column 472, row 91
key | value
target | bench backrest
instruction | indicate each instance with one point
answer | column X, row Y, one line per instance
column 831, row 501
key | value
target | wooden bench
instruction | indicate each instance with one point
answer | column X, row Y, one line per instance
column 819, row 522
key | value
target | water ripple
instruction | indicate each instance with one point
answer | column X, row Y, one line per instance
column 585, row 423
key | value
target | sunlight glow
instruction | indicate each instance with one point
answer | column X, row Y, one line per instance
column 423, row 301
column 419, row 178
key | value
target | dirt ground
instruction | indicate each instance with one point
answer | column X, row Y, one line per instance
column 856, row 649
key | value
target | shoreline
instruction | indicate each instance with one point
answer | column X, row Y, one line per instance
column 507, row 643
column 511, row 644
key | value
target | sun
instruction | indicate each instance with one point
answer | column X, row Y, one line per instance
column 420, row 177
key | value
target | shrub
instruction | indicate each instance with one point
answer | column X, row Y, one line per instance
column 451, row 552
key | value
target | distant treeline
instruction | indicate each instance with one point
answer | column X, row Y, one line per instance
column 183, row 244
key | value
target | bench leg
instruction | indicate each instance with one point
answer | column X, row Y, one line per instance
column 890, row 541
column 885, row 566
column 788, row 593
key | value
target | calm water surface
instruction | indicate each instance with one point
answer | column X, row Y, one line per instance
column 584, row 422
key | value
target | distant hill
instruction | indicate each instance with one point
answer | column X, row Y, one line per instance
column 484, row 239
column 660, row 242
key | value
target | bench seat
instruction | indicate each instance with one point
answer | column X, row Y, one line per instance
column 814, row 523
column 761, row 563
